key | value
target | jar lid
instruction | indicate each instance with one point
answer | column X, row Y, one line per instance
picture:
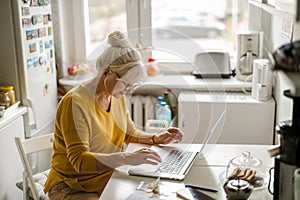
column 7, row 88
column 246, row 161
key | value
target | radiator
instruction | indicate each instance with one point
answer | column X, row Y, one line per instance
column 141, row 108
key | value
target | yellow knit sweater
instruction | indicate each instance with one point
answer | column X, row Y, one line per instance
column 82, row 130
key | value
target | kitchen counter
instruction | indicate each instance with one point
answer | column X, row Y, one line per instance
column 190, row 82
column 180, row 82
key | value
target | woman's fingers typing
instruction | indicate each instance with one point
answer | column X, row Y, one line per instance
column 145, row 156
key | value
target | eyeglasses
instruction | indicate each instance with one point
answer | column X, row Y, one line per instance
column 128, row 87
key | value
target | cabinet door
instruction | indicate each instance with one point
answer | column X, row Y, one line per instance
column 246, row 121
column 11, row 167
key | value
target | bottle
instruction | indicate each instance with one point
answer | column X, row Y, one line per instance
column 164, row 113
column 167, row 100
column 157, row 105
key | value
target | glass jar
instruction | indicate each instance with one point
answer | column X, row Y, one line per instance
column 4, row 99
column 248, row 168
column 11, row 93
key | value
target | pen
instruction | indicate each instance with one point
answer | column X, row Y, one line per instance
column 155, row 184
column 201, row 188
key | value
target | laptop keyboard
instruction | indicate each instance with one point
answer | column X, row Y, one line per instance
column 174, row 162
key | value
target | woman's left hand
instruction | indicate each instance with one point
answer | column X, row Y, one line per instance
column 170, row 135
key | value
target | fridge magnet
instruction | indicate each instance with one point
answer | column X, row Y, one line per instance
column 35, row 61
column 51, row 53
column 29, row 63
column 42, row 32
column 26, row 22
column 25, row 11
column 34, row 3
column 41, row 60
column 46, row 89
column 48, row 44
column 46, row 2
column 41, row 46
column 48, row 69
column 39, row 18
column 45, row 19
column 32, row 47
column 49, row 30
column 30, row 34
column 40, row 2
column 25, row 1
column 49, row 17
column 33, row 19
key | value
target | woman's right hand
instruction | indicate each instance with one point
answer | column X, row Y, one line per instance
column 143, row 156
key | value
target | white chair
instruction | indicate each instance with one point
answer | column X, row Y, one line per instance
column 33, row 184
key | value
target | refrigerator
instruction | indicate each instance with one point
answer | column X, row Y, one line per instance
column 27, row 60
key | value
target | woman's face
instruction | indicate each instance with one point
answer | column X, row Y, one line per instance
column 121, row 87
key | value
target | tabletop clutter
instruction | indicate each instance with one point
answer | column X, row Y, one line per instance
column 243, row 175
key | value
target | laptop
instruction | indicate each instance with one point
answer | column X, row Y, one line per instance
column 177, row 158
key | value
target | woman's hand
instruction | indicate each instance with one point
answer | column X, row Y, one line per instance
column 143, row 156
column 170, row 135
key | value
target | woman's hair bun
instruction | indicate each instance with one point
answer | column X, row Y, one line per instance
column 117, row 39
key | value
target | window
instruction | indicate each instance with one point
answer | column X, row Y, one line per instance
column 105, row 16
column 175, row 29
column 183, row 28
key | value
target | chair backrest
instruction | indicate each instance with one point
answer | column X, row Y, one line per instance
column 32, row 145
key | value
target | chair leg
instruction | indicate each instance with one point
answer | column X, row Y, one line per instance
column 25, row 187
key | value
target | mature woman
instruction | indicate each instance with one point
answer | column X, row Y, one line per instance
column 92, row 124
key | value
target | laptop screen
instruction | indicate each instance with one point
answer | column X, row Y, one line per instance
column 213, row 136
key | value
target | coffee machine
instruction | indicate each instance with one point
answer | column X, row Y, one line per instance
column 287, row 58
column 249, row 48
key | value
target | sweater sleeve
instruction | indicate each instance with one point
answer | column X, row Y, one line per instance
column 132, row 132
column 73, row 123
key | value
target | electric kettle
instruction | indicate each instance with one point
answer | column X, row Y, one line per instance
column 262, row 81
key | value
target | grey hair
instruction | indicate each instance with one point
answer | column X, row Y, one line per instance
column 122, row 58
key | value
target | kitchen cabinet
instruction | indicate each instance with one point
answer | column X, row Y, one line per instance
column 11, row 167
column 245, row 120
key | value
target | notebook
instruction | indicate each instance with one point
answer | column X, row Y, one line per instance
column 177, row 158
